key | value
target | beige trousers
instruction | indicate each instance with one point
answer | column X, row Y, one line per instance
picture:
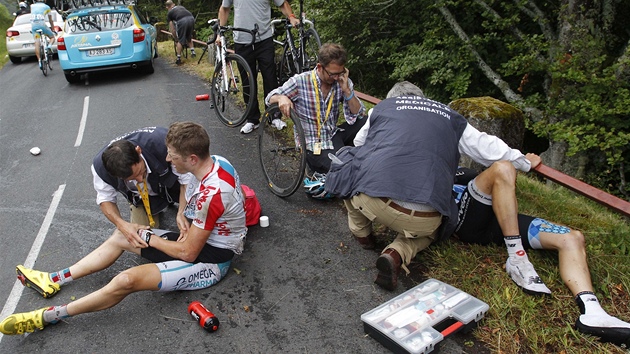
column 139, row 216
column 415, row 233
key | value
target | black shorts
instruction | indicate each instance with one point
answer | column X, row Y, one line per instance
column 478, row 224
column 208, row 254
column 184, row 29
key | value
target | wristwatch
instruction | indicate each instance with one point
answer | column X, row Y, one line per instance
column 145, row 235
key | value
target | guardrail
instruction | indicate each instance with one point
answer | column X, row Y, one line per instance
column 194, row 40
column 608, row 200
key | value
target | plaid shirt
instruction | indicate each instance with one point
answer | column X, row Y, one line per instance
column 301, row 91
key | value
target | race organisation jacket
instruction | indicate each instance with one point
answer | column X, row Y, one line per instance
column 152, row 141
column 410, row 154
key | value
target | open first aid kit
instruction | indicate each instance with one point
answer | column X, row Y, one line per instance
column 417, row 320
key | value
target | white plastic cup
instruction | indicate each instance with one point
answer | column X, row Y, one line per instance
column 264, row 221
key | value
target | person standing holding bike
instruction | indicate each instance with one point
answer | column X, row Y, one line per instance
column 260, row 55
column 182, row 23
column 40, row 12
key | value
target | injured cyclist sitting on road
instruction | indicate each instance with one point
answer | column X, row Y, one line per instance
column 202, row 251
column 408, row 186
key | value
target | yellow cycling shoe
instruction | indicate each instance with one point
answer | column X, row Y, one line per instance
column 38, row 281
column 19, row 323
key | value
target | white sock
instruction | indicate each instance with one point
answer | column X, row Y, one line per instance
column 515, row 248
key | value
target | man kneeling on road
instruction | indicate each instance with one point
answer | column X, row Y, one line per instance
column 214, row 202
column 407, row 186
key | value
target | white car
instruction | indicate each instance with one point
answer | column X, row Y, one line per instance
column 20, row 41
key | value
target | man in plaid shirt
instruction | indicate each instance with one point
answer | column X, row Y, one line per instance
column 316, row 96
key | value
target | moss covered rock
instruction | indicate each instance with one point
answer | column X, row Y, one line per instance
column 494, row 117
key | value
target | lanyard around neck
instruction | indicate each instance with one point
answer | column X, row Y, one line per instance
column 144, row 194
column 319, row 109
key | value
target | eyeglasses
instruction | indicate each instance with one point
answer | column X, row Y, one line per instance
column 334, row 75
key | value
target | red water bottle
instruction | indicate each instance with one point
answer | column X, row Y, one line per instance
column 202, row 97
column 206, row 319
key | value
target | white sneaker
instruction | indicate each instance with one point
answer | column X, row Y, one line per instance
column 608, row 328
column 248, row 128
column 525, row 276
column 278, row 124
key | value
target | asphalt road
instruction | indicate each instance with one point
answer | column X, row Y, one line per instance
column 302, row 283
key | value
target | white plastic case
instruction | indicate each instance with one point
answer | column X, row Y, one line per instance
column 417, row 320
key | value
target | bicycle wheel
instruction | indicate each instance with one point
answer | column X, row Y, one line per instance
column 235, row 99
column 43, row 63
column 312, row 43
column 288, row 66
column 49, row 58
column 282, row 160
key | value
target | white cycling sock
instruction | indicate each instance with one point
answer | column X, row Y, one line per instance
column 588, row 303
column 56, row 313
column 515, row 248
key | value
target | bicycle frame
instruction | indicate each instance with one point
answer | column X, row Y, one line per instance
column 298, row 57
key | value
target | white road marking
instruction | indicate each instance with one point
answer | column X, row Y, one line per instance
column 86, row 106
column 16, row 292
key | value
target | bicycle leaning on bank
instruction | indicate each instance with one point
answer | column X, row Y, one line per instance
column 45, row 52
column 299, row 54
column 232, row 78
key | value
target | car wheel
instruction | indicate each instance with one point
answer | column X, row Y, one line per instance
column 155, row 54
column 149, row 69
column 73, row 79
column 15, row 60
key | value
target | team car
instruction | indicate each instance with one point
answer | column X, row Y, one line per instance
column 20, row 41
column 106, row 37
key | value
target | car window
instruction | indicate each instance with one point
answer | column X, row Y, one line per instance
column 22, row 19
column 26, row 18
column 98, row 22
column 141, row 18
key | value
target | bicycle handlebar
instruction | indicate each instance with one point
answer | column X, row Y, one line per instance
column 286, row 22
column 218, row 29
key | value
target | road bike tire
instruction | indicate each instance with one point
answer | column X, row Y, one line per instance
column 282, row 160
column 49, row 58
column 233, row 106
column 42, row 58
column 312, row 43
column 288, row 66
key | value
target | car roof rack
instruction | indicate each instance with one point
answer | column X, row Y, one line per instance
column 71, row 5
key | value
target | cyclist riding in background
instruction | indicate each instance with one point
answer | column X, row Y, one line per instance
column 23, row 9
column 39, row 13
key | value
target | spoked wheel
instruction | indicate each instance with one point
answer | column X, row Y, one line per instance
column 233, row 106
column 42, row 58
column 49, row 59
column 282, row 160
column 312, row 43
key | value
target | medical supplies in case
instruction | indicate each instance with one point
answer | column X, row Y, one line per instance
column 417, row 320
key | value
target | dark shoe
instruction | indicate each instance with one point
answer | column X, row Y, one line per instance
column 368, row 242
column 178, row 61
column 388, row 265
column 606, row 327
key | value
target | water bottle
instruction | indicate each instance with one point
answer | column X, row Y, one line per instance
column 206, row 319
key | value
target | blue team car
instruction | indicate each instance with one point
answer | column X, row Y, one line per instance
column 106, row 37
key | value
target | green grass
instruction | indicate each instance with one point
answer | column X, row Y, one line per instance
column 520, row 323
column 517, row 322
